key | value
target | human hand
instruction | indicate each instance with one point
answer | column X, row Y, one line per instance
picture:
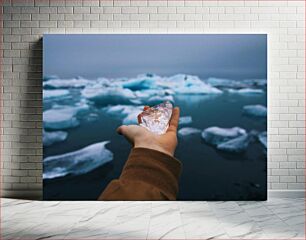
column 141, row 137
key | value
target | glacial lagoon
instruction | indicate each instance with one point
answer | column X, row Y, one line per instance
column 85, row 112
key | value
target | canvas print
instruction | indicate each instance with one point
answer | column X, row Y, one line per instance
column 94, row 83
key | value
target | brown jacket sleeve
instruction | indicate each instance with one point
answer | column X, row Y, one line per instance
column 147, row 175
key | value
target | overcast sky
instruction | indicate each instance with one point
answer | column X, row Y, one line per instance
column 235, row 56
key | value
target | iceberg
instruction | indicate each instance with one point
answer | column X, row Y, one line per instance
column 92, row 117
column 103, row 82
column 52, row 137
column 67, row 83
column 205, row 89
column 48, row 77
column 158, row 99
column 188, row 131
column 246, row 91
column 255, row 110
column 256, row 82
column 188, row 84
column 51, row 94
column 228, row 83
column 139, row 84
column 108, row 95
column 131, row 118
column 122, row 110
column 221, row 82
column 262, row 137
column 185, row 120
column 236, row 145
column 217, row 135
column 128, row 113
column 78, row 162
column 62, row 117
column 154, row 96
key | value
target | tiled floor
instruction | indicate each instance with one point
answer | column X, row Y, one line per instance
column 273, row 219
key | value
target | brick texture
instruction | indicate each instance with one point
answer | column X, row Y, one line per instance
column 24, row 22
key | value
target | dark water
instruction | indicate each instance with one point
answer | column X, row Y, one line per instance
column 208, row 174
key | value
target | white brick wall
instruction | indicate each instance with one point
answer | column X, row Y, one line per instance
column 24, row 22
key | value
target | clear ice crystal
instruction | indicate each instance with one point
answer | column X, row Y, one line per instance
column 156, row 119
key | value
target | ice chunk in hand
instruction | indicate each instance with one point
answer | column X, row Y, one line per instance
column 156, row 119
column 78, row 162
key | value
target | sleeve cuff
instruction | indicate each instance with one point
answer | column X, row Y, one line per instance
column 155, row 168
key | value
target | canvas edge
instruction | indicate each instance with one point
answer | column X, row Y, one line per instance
column 38, row 194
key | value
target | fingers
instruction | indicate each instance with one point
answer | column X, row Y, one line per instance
column 174, row 120
column 121, row 129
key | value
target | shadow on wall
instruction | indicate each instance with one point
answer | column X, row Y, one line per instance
column 31, row 120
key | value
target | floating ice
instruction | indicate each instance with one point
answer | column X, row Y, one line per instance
column 156, row 119
column 185, row 79
column 256, row 82
column 108, row 95
column 67, row 83
column 185, row 120
column 246, row 91
column 122, row 110
column 48, row 77
column 262, row 137
column 128, row 113
column 77, row 162
column 228, row 83
column 236, row 145
column 51, row 94
column 52, row 137
column 255, row 110
column 139, row 83
column 131, row 118
column 217, row 135
column 104, row 82
column 188, row 131
column 157, row 99
column 154, row 96
column 92, row 117
column 221, row 82
column 187, row 84
column 205, row 89
column 62, row 117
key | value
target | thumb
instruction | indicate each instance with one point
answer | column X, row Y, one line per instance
column 120, row 129
column 126, row 132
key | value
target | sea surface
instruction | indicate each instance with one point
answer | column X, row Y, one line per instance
column 207, row 174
